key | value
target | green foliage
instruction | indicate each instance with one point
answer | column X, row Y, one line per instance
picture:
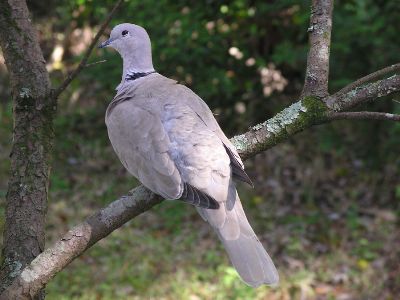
column 192, row 41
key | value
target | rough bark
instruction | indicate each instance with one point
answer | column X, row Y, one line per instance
column 33, row 109
column 317, row 73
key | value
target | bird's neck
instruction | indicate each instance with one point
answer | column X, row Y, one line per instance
column 135, row 65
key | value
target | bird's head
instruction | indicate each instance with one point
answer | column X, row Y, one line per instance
column 133, row 44
column 128, row 39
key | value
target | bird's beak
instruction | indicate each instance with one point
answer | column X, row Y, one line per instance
column 106, row 43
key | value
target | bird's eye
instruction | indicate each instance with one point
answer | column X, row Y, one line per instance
column 124, row 33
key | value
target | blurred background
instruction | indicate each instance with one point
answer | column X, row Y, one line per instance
column 325, row 203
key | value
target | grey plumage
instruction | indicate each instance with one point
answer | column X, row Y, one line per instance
column 167, row 137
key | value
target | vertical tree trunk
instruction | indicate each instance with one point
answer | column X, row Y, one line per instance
column 33, row 109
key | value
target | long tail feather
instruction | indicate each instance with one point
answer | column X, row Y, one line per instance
column 245, row 251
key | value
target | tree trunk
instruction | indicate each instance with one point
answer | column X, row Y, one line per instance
column 33, row 110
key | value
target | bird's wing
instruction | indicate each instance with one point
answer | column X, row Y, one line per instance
column 206, row 115
column 142, row 145
column 196, row 150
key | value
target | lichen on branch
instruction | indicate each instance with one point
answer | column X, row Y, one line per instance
column 296, row 117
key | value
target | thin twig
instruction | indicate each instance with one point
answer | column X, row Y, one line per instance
column 363, row 115
column 95, row 63
column 83, row 62
column 373, row 76
column 317, row 72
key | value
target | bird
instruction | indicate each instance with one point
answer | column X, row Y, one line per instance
column 167, row 137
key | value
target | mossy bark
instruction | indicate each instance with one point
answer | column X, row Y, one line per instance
column 33, row 110
column 295, row 118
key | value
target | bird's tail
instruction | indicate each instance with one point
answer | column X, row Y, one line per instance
column 245, row 251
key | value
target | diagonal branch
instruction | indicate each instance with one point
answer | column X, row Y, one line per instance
column 80, row 238
column 85, row 58
column 363, row 115
column 317, row 72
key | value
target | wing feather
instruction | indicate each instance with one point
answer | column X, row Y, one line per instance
column 198, row 198
column 139, row 139
column 205, row 114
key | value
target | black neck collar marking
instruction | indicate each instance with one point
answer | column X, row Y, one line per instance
column 134, row 76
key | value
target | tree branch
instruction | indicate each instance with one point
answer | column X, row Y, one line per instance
column 363, row 115
column 365, row 93
column 81, row 237
column 293, row 119
column 317, row 73
column 373, row 76
column 85, row 58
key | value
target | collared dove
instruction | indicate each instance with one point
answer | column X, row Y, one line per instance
column 167, row 137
